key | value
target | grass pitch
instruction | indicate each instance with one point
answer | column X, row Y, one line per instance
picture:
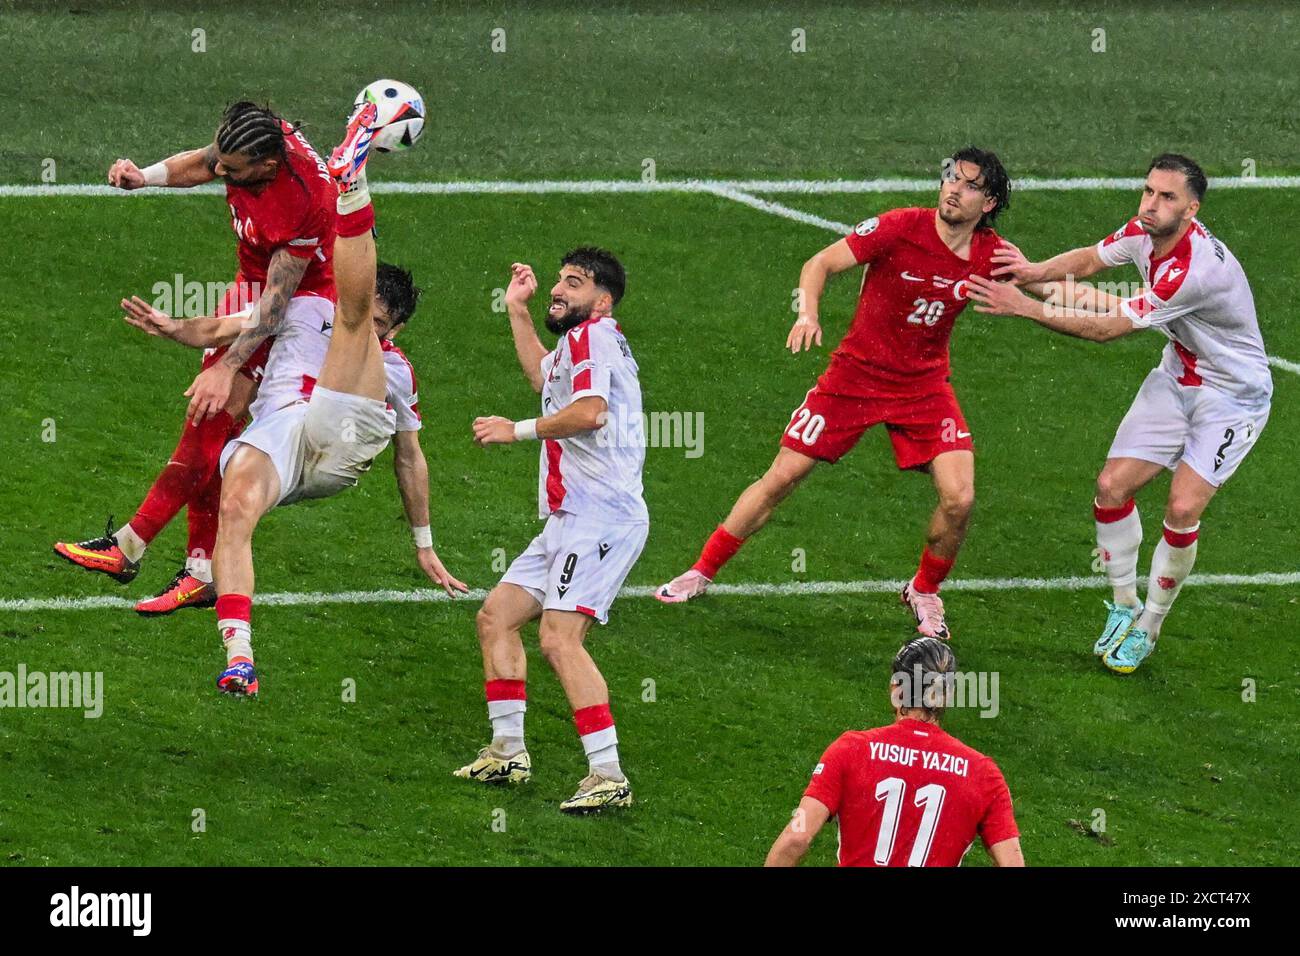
column 747, row 691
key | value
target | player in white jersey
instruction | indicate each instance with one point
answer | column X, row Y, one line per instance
column 1198, row 413
column 593, row 450
column 291, row 374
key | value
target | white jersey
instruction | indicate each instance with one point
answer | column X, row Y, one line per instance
column 595, row 473
column 403, row 396
column 297, row 355
column 296, row 358
column 1198, row 296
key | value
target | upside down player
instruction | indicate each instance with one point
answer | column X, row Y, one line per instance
column 891, row 368
column 596, row 521
column 908, row 794
column 1197, row 414
column 396, row 298
column 265, row 173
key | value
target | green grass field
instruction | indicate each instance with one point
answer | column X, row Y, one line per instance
column 748, row 690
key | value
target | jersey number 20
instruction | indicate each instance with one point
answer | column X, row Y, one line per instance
column 891, row 791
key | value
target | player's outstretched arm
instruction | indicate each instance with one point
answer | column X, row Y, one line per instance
column 194, row 167
column 807, row 330
column 1012, row 265
column 792, row 845
column 585, row 415
column 528, row 347
column 1003, row 298
column 211, row 389
column 203, row 333
column 412, row 473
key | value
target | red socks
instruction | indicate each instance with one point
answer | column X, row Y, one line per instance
column 1111, row 515
column 718, row 550
column 191, row 465
column 357, row 223
column 930, row 575
column 204, row 509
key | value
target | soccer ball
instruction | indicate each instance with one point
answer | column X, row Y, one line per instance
column 401, row 114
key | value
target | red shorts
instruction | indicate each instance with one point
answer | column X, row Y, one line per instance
column 237, row 297
column 920, row 427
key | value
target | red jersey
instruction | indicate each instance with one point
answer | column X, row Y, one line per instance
column 911, row 795
column 914, row 289
column 296, row 211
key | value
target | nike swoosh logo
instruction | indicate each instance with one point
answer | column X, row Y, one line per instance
column 92, row 555
column 963, row 434
column 911, row 278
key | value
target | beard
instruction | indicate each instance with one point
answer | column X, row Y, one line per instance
column 951, row 216
column 574, row 315
column 1160, row 230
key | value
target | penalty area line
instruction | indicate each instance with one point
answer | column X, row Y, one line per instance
column 781, row 590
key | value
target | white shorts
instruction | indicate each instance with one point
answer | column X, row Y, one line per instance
column 321, row 446
column 1170, row 423
column 578, row 564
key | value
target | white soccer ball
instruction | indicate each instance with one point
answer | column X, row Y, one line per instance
column 401, row 114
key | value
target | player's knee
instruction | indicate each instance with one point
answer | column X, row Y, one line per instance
column 959, row 502
column 1182, row 511
column 782, row 478
column 486, row 624
column 239, row 507
column 554, row 643
column 1111, row 492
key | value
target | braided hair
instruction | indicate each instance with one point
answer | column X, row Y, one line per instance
column 256, row 132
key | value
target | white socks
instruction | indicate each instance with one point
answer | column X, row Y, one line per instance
column 1119, row 536
column 355, row 198
column 1172, row 562
column 507, row 718
column 238, row 638
column 201, row 568
column 132, row 545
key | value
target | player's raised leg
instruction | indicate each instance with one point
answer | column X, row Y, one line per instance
column 505, row 668
column 250, row 488
column 562, row 635
column 1119, row 538
column 354, row 363
column 750, row 512
column 953, row 473
column 1175, row 553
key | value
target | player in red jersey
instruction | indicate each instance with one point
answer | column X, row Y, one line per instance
column 891, row 368
column 283, row 245
column 908, row 794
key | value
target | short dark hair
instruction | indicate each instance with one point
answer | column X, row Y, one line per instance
column 255, row 131
column 397, row 291
column 1178, row 163
column 997, row 184
column 603, row 267
column 922, row 667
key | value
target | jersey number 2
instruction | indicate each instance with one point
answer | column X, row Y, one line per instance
column 891, row 791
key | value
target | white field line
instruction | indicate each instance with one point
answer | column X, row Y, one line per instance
column 546, row 186
column 789, row 589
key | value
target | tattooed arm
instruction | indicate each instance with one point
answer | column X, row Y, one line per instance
column 211, row 389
